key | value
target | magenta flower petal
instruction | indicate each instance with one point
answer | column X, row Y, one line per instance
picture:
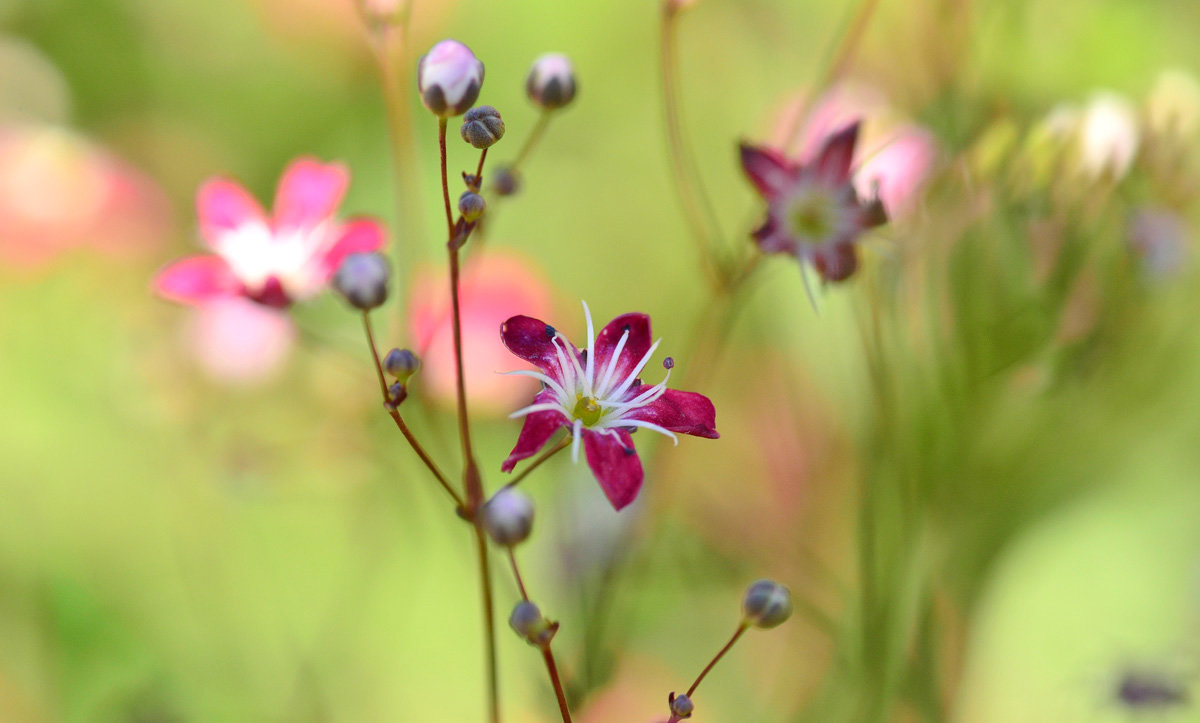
column 772, row 238
column 196, row 279
column 538, row 428
column 533, row 340
column 635, row 347
column 837, row 262
column 615, row 463
column 766, row 168
column 681, row 412
column 309, row 193
column 360, row 235
column 223, row 206
column 833, row 160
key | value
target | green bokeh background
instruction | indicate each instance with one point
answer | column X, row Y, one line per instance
column 174, row 549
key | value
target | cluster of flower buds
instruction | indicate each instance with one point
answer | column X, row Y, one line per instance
column 533, row 627
column 508, row 517
column 362, row 280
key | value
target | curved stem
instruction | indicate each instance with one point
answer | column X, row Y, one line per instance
column 445, row 180
column 400, row 424
column 566, row 442
column 512, row 558
column 535, row 135
column 547, row 653
column 720, row 654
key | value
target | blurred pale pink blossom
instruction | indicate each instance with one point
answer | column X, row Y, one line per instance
column 893, row 157
column 495, row 285
column 240, row 342
column 1108, row 136
column 59, row 191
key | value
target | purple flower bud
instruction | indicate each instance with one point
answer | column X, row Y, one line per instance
column 449, row 77
column 681, row 706
column 397, row 393
column 506, row 182
column 482, row 126
column 767, row 604
column 551, row 81
column 528, row 622
column 362, row 280
column 401, row 364
column 508, row 517
column 471, row 206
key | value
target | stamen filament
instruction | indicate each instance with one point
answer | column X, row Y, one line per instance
column 542, row 407
column 636, row 370
column 602, row 386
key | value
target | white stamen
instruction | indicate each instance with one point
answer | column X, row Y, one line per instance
column 651, row 426
column 543, row 378
column 576, row 428
column 602, row 386
column 636, row 370
column 542, row 407
column 591, row 351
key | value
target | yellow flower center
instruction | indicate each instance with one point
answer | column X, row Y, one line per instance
column 587, row 410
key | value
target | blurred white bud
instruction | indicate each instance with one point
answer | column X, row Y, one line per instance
column 551, row 81
column 1108, row 137
column 1173, row 106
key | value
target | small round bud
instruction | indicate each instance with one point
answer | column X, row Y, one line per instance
column 482, row 126
column 397, row 393
column 669, row 363
column 681, row 706
column 362, row 279
column 449, row 77
column 508, row 517
column 506, row 182
column 528, row 622
column 551, row 81
column 401, row 363
column 471, row 205
column 767, row 604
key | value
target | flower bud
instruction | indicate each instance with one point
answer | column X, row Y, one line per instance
column 508, row 517
column 482, row 126
column 449, row 77
column 401, row 363
column 527, row 620
column 362, row 280
column 681, row 706
column 471, row 205
column 551, row 81
column 506, row 182
column 397, row 393
column 767, row 604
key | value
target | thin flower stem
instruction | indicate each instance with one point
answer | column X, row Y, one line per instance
column 512, row 558
column 445, row 180
column 535, row 135
column 400, row 424
column 688, row 183
column 489, row 621
column 559, row 692
column 737, row 634
column 566, row 442
column 479, row 170
column 547, row 653
column 471, row 480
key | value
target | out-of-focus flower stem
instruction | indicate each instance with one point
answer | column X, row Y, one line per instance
column 400, row 424
column 742, row 628
column 694, row 199
column 535, row 135
column 547, row 652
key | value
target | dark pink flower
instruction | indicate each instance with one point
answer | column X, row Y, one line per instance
column 598, row 396
column 813, row 209
column 277, row 260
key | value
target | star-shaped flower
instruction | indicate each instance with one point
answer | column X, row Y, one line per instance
column 276, row 260
column 813, row 210
column 598, row 396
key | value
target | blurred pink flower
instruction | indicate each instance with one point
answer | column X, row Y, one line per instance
column 893, row 158
column 59, row 191
column 494, row 286
column 238, row 341
column 277, row 260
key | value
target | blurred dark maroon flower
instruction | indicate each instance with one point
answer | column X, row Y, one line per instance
column 813, row 209
column 597, row 394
